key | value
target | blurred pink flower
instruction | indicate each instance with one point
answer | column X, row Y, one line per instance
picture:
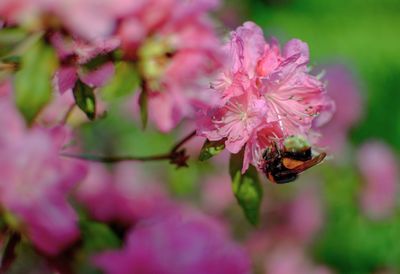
column 289, row 259
column 305, row 215
column 378, row 166
column 89, row 19
column 266, row 95
column 35, row 182
column 5, row 88
column 176, row 48
column 122, row 195
column 296, row 221
column 179, row 243
column 217, row 193
column 74, row 54
column 343, row 88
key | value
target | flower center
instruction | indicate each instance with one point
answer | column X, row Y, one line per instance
column 154, row 58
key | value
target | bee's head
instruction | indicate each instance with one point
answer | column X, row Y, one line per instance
column 296, row 143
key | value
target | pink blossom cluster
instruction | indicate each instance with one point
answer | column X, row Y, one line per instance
column 172, row 42
column 123, row 195
column 161, row 236
column 180, row 242
column 88, row 19
column 35, row 182
column 266, row 94
column 176, row 48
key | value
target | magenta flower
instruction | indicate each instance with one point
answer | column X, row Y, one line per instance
column 266, row 95
column 123, row 196
column 378, row 166
column 35, row 183
column 176, row 48
column 179, row 243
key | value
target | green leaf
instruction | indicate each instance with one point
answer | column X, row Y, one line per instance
column 246, row 187
column 211, row 148
column 33, row 88
column 98, row 237
column 143, row 108
column 95, row 63
column 9, row 39
column 124, row 82
column 85, row 99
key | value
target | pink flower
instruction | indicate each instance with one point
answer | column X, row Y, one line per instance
column 294, row 97
column 88, row 19
column 178, row 243
column 305, row 215
column 74, row 54
column 176, row 49
column 236, row 121
column 378, row 166
column 35, row 182
column 266, row 95
column 123, row 195
column 217, row 193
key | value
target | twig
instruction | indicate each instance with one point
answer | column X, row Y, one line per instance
column 183, row 141
column 116, row 159
column 176, row 155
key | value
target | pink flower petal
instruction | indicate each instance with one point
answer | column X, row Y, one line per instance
column 65, row 79
column 294, row 47
column 100, row 76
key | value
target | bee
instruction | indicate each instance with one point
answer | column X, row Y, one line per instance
column 283, row 165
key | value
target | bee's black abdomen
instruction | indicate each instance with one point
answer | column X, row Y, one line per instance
column 284, row 179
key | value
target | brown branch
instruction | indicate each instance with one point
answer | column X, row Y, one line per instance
column 183, row 141
column 116, row 159
column 176, row 155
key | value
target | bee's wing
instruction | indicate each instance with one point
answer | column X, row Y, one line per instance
column 306, row 165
